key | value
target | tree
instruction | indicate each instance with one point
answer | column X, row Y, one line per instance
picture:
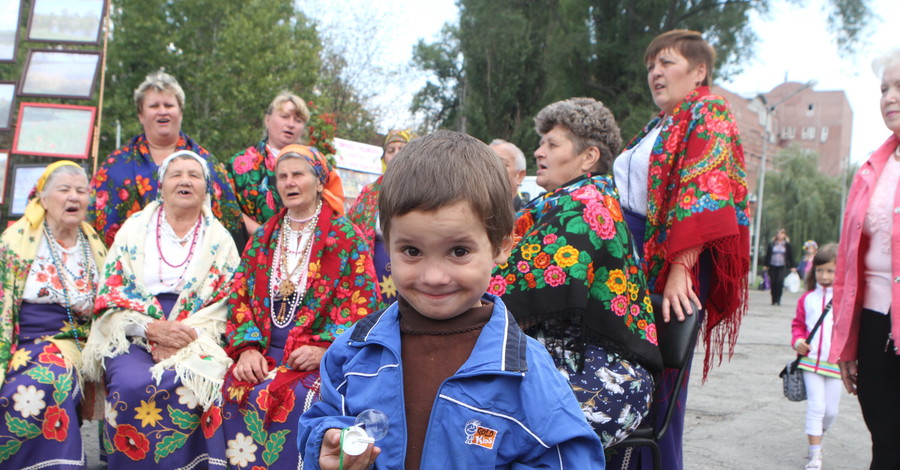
column 231, row 57
column 520, row 55
column 800, row 199
column 439, row 102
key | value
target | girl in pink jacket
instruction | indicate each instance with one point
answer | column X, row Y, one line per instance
column 822, row 378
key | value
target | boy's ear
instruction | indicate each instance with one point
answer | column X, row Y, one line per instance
column 505, row 248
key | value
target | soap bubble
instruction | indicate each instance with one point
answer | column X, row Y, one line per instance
column 374, row 422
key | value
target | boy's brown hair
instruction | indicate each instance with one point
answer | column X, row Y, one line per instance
column 443, row 168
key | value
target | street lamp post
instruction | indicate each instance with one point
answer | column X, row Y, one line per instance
column 762, row 172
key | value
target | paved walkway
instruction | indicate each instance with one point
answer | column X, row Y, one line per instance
column 739, row 418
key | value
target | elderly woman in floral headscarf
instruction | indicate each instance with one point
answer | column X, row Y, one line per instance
column 364, row 214
column 305, row 277
column 160, row 317
column 48, row 276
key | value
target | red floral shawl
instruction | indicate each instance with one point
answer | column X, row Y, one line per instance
column 339, row 291
column 364, row 212
column 697, row 198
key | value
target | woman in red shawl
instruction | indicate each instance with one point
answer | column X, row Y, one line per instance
column 682, row 187
column 304, row 278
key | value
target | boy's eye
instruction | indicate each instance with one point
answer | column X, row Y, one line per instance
column 459, row 252
column 410, row 251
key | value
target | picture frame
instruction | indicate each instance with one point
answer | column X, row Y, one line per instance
column 25, row 176
column 66, row 21
column 10, row 11
column 7, row 98
column 60, row 74
column 54, row 130
column 4, row 173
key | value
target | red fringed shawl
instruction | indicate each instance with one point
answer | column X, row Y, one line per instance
column 697, row 198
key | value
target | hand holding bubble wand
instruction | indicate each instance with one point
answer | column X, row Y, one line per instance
column 371, row 425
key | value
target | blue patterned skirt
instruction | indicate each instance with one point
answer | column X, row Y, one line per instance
column 39, row 400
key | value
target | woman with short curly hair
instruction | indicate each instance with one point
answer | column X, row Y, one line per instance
column 573, row 280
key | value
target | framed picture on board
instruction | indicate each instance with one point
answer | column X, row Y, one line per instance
column 9, row 29
column 60, row 74
column 4, row 172
column 54, row 130
column 25, row 176
column 7, row 96
column 68, row 21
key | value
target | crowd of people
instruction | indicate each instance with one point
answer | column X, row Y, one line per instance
column 242, row 318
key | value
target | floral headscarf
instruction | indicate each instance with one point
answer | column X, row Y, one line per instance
column 182, row 153
column 34, row 211
column 333, row 194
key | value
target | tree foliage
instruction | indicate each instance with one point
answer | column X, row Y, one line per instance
column 800, row 199
column 520, row 55
column 230, row 56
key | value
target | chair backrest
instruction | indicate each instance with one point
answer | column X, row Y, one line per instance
column 676, row 338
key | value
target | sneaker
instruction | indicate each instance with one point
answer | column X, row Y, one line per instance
column 815, row 461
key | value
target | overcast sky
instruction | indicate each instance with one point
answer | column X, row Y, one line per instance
column 793, row 44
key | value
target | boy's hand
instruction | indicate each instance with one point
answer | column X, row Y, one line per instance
column 330, row 454
column 801, row 347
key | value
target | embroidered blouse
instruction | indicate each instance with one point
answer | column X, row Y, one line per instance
column 44, row 282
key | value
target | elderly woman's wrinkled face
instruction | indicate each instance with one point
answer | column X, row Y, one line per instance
column 160, row 116
column 557, row 159
column 671, row 78
column 298, row 186
column 284, row 126
column 184, row 185
column 66, row 200
column 890, row 98
column 392, row 150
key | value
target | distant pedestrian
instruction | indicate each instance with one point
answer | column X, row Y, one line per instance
column 779, row 259
column 866, row 291
column 809, row 251
column 822, row 378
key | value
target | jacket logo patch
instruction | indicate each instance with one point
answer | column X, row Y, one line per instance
column 478, row 435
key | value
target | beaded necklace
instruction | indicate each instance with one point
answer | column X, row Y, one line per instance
column 196, row 232
column 87, row 264
column 286, row 288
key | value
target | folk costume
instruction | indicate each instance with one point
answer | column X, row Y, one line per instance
column 127, row 181
column 46, row 299
column 282, row 299
column 253, row 173
column 364, row 214
column 695, row 198
column 574, row 281
column 160, row 415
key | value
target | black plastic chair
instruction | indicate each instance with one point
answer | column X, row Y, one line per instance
column 676, row 341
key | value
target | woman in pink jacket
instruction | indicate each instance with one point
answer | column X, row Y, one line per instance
column 867, row 282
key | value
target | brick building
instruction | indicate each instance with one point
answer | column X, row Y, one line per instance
column 820, row 121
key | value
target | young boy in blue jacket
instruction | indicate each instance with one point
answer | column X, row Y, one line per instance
column 462, row 386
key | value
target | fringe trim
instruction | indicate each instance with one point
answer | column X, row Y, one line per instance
column 205, row 386
column 728, row 298
column 101, row 345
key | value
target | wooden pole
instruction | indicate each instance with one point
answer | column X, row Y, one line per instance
column 95, row 149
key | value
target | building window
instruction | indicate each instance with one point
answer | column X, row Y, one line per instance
column 810, row 110
column 823, row 134
column 808, row 133
column 788, row 133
